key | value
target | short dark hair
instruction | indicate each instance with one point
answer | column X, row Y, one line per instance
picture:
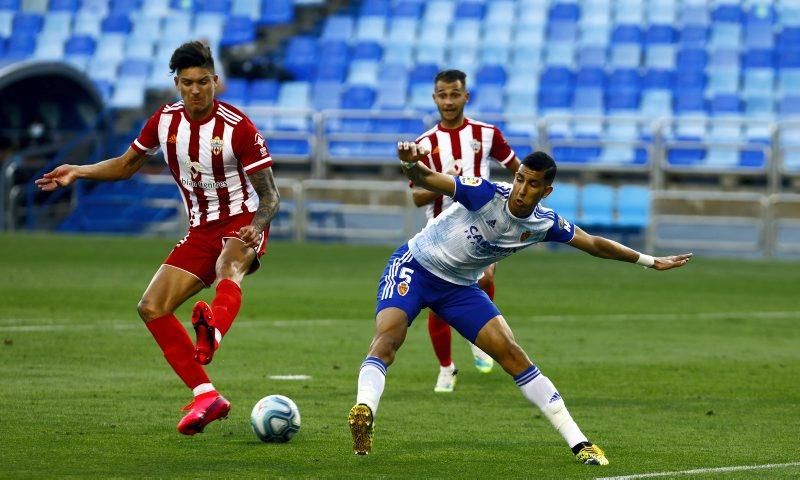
column 542, row 162
column 191, row 54
column 451, row 76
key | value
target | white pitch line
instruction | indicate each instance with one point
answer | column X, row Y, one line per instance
column 699, row 471
column 290, row 377
column 19, row 325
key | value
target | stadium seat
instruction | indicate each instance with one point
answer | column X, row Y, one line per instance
column 563, row 200
column 275, row 12
column 263, row 92
column 633, row 206
column 238, row 30
column 326, row 95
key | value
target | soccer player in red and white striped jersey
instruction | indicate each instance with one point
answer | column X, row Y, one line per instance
column 458, row 146
column 222, row 167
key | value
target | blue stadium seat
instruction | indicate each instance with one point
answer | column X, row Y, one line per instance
column 371, row 29
column 597, row 205
column 63, row 6
column 491, row 75
column 423, row 73
column 564, row 12
column 470, row 10
column 727, row 13
column 124, row 7
column 626, row 34
column 689, row 101
column 116, row 23
column 263, row 92
column 27, row 23
column 694, row 14
column 392, row 98
column 489, row 98
column 789, row 106
column 363, row 72
column 658, row 79
column 633, row 206
column 326, row 95
column 277, row 12
column 80, row 45
column 338, row 27
column 252, row 8
column 20, row 47
column 375, row 8
column 726, row 104
column 759, row 58
column 358, row 97
column 590, row 77
column 212, row 6
column 693, row 36
column 658, row 34
column 238, row 30
column 234, row 91
column 407, row 9
column 563, row 200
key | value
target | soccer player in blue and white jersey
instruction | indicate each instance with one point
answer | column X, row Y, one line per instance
column 438, row 268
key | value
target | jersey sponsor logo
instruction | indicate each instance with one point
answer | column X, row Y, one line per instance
column 485, row 247
column 475, row 145
column 204, row 185
column 492, row 223
column 402, row 288
column 564, row 224
column 216, row 145
column 524, row 236
column 470, row 181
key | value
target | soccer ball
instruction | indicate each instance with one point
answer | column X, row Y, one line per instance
column 275, row 419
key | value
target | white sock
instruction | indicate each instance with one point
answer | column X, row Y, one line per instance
column 541, row 392
column 448, row 369
column 371, row 380
column 477, row 352
column 203, row 388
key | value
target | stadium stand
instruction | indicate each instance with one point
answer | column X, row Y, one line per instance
column 638, row 91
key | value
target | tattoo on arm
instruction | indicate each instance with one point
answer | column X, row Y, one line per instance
column 268, row 197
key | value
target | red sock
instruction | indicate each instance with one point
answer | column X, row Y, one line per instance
column 178, row 349
column 440, row 338
column 226, row 304
column 489, row 289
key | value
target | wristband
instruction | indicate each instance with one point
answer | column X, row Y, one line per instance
column 646, row 261
column 408, row 165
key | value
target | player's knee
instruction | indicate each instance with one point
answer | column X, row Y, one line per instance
column 148, row 310
column 513, row 359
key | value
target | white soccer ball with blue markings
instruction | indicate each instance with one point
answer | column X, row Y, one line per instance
column 275, row 419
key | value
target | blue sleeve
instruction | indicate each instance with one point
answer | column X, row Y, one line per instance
column 561, row 231
column 473, row 192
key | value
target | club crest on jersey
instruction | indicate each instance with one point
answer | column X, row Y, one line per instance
column 524, row 236
column 470, row 181
column 216, row 145
column 476, row 145
column 402, row 289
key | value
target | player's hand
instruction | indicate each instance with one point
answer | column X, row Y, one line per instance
column 61, row 176
column 674, row 261
column 250, row 235
column 410, row 152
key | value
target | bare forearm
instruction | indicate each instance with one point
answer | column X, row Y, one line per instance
column 424, row 197
column 268, row 198
column 606, row 248
column 118, row 168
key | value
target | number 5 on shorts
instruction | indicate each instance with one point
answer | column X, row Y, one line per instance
column 405, row 274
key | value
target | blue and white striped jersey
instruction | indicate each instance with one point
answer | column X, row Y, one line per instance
column 479, row 230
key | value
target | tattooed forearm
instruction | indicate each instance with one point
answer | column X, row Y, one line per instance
column 268, row 197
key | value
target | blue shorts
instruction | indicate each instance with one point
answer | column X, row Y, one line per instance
column 407, row 285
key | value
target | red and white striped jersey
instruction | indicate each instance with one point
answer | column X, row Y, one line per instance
column 470, row 146
column 209, row 159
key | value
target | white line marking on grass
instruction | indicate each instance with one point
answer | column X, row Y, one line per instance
column 290, row 377
column 698, row 471
column 19, row 324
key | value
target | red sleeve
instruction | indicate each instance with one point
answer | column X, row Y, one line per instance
column 250, row 147
column 501, row 151
column 147, row 142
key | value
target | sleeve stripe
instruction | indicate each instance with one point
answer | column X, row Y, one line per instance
column 510, row 157
column 142, row 149
column 252, row 166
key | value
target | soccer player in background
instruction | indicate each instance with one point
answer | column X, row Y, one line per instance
column 222, row 167
column 439, row 268
column 458, row 145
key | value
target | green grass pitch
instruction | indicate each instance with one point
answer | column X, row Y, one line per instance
column 667, row 371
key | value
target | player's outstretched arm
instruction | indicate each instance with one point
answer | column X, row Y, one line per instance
column 117, row 168
column 604, row 248
column 268, row 203
column 410, row 155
